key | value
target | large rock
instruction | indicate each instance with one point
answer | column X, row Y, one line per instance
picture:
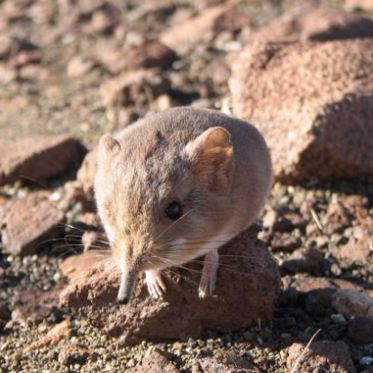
column 184, row 35
column 351, row 302
column 134, row 87
column 247, row 288
column 308, row 22
column 146, row 56
column 39, row 158
column 314, row 104
column 26, row 224
column 333, row 357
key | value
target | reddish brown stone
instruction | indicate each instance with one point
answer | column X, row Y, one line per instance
column 79, row 66
column 76, row 267
column 133, row 87
column 154, row 361
column 334, row 357
column 34, row 306
column 25, row 57
column 316, row 23
column 247, row 288
column 313, row 103
column 304, row 260
column 27, row 224
column 360, row 4
column 149, row 55
column 351, row 302
column 185, row 34
column 71, row 354
column 357, row 250
column 225, row 363
column 57, row 333
column 309, row 283
column 38, row 158
column 87, row 173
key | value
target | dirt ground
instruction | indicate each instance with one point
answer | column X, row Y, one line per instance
column 55, row 57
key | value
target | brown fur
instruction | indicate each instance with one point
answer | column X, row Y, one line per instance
column 216, row 166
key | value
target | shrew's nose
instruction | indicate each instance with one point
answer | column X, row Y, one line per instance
column 127, row 283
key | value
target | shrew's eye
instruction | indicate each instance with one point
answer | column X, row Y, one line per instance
column 174, row 210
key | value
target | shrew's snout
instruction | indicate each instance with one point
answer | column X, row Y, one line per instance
column 127, row 283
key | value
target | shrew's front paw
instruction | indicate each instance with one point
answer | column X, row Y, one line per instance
column 155, row 284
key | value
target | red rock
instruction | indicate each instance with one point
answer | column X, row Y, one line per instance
column 154, row 361
column 316, row 23
column 5, row 45
column 360, row 4
column 312, row 101
column 71, row 354
column 148, row 55
column 33, row 72
column 86, row 174
column 185, row 34
column 57, row 333
column 360, row 330
column 79, row 66
column 247, row 288
column 334, row 357
column 309, row 283
column 76, row 266
column 357, row 250
column 101, row 22
column 351, row 302
column 7, row 74
column 27, row 224
column 304, row 260
column 38, row 158
column 34, row 306
column 133, row 88
column 285, row 242
column 25, row 57
column 225, row 363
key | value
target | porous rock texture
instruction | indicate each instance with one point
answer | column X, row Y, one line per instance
column 247, row 288
column 314, row 104
column 330, row 356
column 28, row 223
column 316, row 23
column 39, row 158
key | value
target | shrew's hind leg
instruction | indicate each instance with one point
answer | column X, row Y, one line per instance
column 209, row 272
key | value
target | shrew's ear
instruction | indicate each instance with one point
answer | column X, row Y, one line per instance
column 211, row 156
column 108, row 146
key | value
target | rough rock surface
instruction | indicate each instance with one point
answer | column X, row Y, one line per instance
column 225, row 363
column 247, row 288
column 317, row 24
column 187, row 33
column 360, row 4
column 39, row 158
column 333, row 357
column 28, row 223
column 317, row 98
column 351, row 302
column 87, row 172
column 129, row 87
column 154, row 361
